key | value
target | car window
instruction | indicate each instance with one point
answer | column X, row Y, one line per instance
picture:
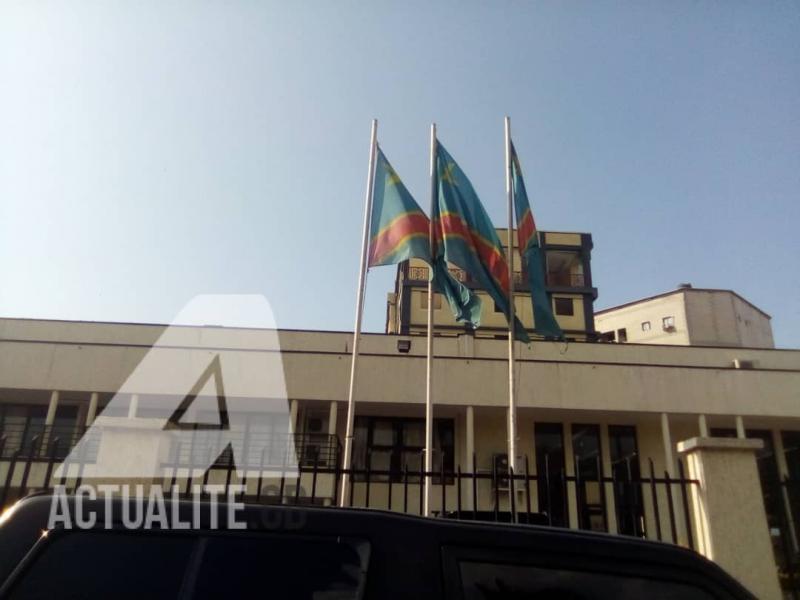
column 492, row 581
column 104, row 564
column 285, row 567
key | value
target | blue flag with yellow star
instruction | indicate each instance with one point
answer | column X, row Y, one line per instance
column 399, row 230
column 464, row 235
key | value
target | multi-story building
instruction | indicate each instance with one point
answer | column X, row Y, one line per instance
column 605, row 431
column 600, row 425
column 566, row 261
column 688, row 316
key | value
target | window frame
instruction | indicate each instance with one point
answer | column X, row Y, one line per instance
column 398, row 448
column 562, row 301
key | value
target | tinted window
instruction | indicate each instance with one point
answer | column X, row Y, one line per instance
column 549, row 439
column 289, row 568
column 486, row 581
column 103, row 564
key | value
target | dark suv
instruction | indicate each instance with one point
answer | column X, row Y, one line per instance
column 335, row 554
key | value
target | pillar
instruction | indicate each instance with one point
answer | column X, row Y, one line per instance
column 333, row 413
column 52, row 408
column 92, row 410
column 740, row 432
column 669, row 458
column 133, row 407
column 293, row 410
column 702, row 426
column 470, row 451
column 730, row 522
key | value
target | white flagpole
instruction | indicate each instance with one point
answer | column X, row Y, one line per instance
column 512, row 400
column 362, row 280
column 429, row 361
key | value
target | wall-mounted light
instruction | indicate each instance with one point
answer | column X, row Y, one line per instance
column 403, row 346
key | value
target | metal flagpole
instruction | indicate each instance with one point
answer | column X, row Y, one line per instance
column 512, row 401
column 362, row 277
column 429, row 361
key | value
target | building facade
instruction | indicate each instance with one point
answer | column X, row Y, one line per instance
column 566, row 262
column 688, row 317
column 595, row 420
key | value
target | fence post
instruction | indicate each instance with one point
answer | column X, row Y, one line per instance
column 730, row 521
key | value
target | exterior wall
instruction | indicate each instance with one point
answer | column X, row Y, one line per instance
column 702, row 318
column 579, row 376
column 407, row 312
column 723, row 319
column 662, row 391
column 632, row 317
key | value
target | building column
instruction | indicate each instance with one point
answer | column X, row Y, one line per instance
column 133, row 407
column 469, row 452
column 52, row 408
column 569, row 469
column 91, row 413
column 669, row 457
column 470, row 438
column 740, row 431
column 730, row 522
column 49, row 420
column 702, row 425
column 333, row 413
column 294, row 407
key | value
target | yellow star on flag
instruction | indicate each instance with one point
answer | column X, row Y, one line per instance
column 447, row 173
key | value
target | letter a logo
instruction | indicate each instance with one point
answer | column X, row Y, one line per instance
column 178, row 421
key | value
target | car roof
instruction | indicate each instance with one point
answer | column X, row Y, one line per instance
column 30, row 519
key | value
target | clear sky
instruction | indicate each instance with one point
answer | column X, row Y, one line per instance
column 152, row 151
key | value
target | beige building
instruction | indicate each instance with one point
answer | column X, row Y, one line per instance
column 688, row 317
column 566, row 263
column 601, row 426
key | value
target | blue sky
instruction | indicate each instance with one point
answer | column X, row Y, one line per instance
column 153, row 151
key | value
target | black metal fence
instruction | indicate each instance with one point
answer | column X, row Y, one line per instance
column 786, row 535
column 655, row 506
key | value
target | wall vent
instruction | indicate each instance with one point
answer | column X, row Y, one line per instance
column 738, row 363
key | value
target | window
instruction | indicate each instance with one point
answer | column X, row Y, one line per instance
column 588, row 463
column 668, row 323
column 106, row 564
column 392, row 445
column 492, row 579
column 565, row 268
column 549, row 441
column 564, row 306
column 622, row 335
column 141, row 564
column 624, row 456
column 286, row 566
column 437, row 301
column 645, row 325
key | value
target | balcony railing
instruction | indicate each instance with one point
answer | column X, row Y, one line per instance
column 565, row 279
column 421, row 274
column 38, row 440
column 260, row 448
